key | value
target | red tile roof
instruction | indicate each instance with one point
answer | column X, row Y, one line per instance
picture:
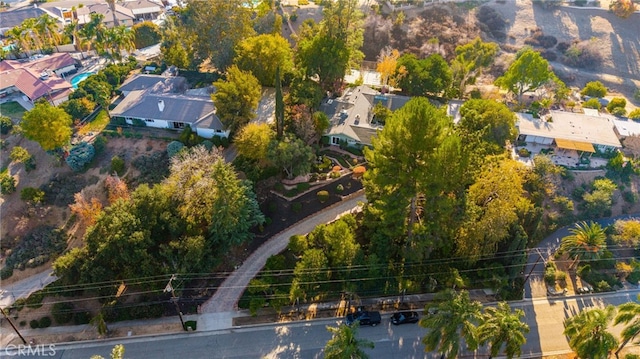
column 25, row 76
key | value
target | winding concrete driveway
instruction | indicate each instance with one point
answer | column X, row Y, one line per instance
column 226, row 297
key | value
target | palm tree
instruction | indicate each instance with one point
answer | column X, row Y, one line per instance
column 455, row 320
column 345, row 345
column 588, row 335
column 49, row 30
column 587, row 242
column 32, row 32
column 112, row 7
column 629, row 314
column 501, row 326
column 19, row 39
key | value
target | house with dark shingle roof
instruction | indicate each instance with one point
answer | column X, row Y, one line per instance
column 154, row 83
column 351, row 116
column 41, row 78
column 171, row 111
column 13, row 18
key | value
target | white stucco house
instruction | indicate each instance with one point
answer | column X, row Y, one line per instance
column 171, row 111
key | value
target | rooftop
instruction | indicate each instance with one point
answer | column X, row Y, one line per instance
column 351, row 115
column 570, row 126
column 155, row 83
column 627, row 128
column 198, row 110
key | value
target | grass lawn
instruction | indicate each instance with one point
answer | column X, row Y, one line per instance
column 97, row 125
column 13, row 110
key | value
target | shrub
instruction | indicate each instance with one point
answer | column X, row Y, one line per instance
column 631, row 356
column 30, row 194
column 563, row 47
column 207, row 144
column 323, row 196
column 45, row 322
column 62, row 312
column 493, row 21
column 583, row 55
column 619, row 111
column 602, row 286
column 296, row 207
column 334, row 175
column 6, row 272
column 523, row 152
column 81, row 318
column 35, row 299
column 636, row 95
column 594, row 89
column 19, row 154
column 301, row 187
column 550, row 273
column 34, row 324
column 629, row 196
column 549, row 55
column 5, row 125
column 616, row 102
column 635, row 114
column 174, row 147
column 592, row 103
column 7, row 183
column 339, row 188
column 117, row 165
column 80, row 155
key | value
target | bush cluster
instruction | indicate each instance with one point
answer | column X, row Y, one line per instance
column 80, row 156
column 582, row 55
column 492, row 22
column 36, row 248
column 7, row 183
column 539, row 39
column 323, row 196
column 153, row 168
column 62, row 312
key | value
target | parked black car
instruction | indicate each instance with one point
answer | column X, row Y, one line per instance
column 364, row 317
column 404, row 318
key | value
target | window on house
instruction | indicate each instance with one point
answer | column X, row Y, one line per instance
column 219, row 131
column 148, row 120
column 335, row 140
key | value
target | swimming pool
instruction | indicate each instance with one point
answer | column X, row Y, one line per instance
column 78, row 79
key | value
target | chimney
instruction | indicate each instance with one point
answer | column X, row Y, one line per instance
column 161, row 105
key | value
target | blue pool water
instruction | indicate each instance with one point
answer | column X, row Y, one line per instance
column 78, row 79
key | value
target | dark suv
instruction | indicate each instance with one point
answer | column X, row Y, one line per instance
column 364, row 318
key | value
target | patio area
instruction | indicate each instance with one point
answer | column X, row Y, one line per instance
column 562, row 157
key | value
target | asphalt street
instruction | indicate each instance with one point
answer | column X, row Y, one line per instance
column 307, row 339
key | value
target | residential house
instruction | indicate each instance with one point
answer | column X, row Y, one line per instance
column 40, row 78
column 154, row 83
column 13, row 18
column 144, row 9
column 571, row 131
column 629, row 134
column 351, row 116
column 171, row 111
column 125, row 16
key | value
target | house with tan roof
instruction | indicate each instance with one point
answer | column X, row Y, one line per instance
column 143, row 10
column 40, row 78
column 588, row 132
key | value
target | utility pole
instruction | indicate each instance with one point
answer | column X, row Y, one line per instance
column 13, row 326
column 533, row 267
column 174, row 299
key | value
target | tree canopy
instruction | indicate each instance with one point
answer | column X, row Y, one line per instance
column 48, row 125
column 217, row 27
column 292, row 155
column 262, row 55
column 253, row 140
column 236, row 98
column 528, row 72
column 491, row 122
column 470, row 60
column 431, row 75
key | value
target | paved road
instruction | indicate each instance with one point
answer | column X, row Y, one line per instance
column 307, row 339
column 230, row 291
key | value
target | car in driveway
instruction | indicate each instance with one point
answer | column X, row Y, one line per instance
column 404, row 318
column 364, row 318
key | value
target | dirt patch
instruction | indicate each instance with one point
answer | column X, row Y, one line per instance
column 60, row 184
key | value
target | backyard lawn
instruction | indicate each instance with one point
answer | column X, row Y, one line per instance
column 13, row 110
column 97, row 125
